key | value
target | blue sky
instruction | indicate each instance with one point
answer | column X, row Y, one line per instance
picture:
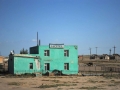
column 86, row 23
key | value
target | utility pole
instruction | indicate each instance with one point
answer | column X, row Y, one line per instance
column 90, row 51
column 110, row 51
column 96, row 50
column 114, row 49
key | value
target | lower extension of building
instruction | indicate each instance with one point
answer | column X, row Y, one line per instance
column 45, row 58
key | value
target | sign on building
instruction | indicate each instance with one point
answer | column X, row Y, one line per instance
column 56, row 45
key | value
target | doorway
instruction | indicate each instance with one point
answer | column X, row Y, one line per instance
column 47, row 66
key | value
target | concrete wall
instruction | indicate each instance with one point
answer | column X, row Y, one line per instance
column 22, row 65
column 34, row 50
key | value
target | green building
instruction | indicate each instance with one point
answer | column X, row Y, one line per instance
column 46, row 58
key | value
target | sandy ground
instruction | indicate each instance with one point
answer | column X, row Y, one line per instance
column 60, row 83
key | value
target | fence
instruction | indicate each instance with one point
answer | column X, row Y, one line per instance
column 99, row 70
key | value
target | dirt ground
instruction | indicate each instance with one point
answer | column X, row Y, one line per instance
column 60, row 83
column 65, row 82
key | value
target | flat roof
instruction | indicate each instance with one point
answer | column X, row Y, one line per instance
column 25, row 55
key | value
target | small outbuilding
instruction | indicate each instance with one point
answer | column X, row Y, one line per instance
column 21, row 64
column 107, row 57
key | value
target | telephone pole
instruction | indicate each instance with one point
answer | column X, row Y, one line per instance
column 96, row 50
column 90, row 51
column 110, row 51
column 114, row 49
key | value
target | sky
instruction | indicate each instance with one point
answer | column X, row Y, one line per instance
column 85, row 23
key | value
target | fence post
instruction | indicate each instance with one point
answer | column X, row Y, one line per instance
column 95, row 70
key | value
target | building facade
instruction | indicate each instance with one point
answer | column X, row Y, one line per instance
column 51, row 57
column 1, row 59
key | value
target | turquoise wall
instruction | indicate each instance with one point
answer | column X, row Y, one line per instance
column 57, row 59
column 22, row 65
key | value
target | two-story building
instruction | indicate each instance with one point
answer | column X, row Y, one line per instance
column 46, row 58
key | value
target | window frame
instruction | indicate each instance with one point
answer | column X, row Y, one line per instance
column 66, row 53
column 30, row 65
column 46, row 52
column 66, row 66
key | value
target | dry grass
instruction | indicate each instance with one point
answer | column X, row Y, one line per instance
column 61, row 83
column 55, row 85
column 91, row 88
column 16, row 83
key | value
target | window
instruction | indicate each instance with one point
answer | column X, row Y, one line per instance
column 46, row 53
column 66, row 66
column 31, row 66
column 66, row 53
column 47, row 66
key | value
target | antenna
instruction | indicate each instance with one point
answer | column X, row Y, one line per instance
column 39, row 42
column 37, row 38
